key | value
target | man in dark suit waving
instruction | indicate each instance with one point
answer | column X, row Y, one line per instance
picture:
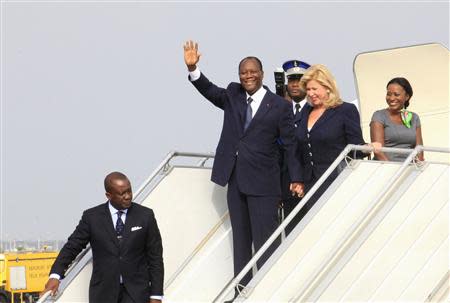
column 247, row 154
column 126, row 249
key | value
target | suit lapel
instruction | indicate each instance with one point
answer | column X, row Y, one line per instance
column 327, row 114
column 107, row 223
column 304, row 114
column 242, row 110
column 300, row 115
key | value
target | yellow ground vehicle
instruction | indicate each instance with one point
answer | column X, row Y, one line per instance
column 23, row 275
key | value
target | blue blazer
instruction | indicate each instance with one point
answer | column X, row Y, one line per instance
column 253, row 154
column 320, row 146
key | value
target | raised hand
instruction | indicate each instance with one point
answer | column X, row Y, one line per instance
column 191, row 55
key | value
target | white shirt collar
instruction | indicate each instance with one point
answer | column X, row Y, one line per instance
column 114, row 211
column 302, row 103
column 258, row 95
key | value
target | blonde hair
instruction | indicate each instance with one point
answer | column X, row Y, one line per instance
column 321, row 74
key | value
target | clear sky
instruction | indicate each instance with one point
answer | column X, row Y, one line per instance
column 92, row 87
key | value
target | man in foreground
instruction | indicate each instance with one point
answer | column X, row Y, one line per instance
column 126, row 249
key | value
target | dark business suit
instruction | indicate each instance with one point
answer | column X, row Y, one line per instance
column 248, row 162
column 289, row 201
column 320, row 146
column 137, row 257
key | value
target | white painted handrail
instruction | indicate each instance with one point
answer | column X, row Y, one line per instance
column 364, row 148
column 44, row 297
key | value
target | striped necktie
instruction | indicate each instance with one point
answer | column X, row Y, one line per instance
column 119, row 224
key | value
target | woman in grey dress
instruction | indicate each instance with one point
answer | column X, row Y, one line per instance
column 395, row 126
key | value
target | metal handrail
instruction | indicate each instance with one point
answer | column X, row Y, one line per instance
column 44, row 297
column 350, row 232
column 166, row 161
column 412, row 154
column 443, row 283
column 352, row 241
column 155, row 172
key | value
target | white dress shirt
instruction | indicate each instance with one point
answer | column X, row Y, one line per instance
column 257, row 98
column 114, row 215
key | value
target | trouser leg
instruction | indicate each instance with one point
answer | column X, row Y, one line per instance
column 241, row 229
column 263, row 212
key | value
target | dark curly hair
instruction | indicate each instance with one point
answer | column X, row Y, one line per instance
column 404, row 83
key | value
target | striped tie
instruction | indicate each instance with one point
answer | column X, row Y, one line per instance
column 119, row 224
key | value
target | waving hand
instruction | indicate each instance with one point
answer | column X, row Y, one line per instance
column 191, row 55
